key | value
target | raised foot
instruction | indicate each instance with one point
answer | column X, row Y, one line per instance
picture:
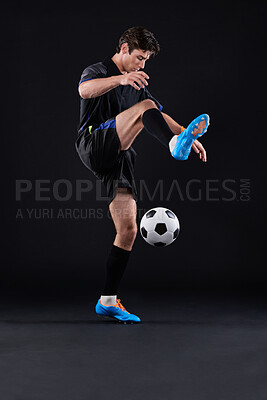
column 181, row 145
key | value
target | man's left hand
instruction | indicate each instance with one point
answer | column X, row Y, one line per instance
column 199, row 149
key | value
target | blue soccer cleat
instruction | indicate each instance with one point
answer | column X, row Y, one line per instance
column 180, row 145
column 117, row 312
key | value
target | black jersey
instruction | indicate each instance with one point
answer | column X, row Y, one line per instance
column 95, row 111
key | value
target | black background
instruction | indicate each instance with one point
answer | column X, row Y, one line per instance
column 211, row 61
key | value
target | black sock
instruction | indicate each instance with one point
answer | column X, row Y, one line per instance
column 156, row 125
column 116, row 264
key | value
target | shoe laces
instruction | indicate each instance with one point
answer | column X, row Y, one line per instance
column 120, row 306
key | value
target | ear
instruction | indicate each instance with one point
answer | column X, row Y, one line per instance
column 124, row 48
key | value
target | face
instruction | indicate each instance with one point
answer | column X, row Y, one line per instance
column 134, row 61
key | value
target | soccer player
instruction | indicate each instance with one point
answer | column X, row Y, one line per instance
column 115, row 107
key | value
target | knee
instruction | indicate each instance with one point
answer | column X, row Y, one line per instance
column 128, row 232
column 147, row 104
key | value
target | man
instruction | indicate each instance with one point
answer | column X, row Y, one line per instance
column 115, row 107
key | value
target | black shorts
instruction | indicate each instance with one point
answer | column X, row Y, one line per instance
column 99, row 150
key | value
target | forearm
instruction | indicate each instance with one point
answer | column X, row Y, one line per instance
column 173, row 125
column 97, row 87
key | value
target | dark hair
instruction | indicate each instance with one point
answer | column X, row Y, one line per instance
column 139, row 38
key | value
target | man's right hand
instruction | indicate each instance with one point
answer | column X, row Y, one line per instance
column 134, row 79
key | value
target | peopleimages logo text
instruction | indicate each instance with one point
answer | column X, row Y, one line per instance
column 64, row 190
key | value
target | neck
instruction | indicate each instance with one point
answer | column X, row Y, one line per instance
column 117, row 59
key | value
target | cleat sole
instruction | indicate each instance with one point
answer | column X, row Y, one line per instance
column 108, row 318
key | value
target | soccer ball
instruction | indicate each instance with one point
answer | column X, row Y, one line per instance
column 159, row 227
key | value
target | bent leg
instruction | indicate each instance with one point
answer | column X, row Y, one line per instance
column 129, row 122
column 146, row 115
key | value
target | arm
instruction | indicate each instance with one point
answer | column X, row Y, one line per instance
column 96, row 87
column 199, row 149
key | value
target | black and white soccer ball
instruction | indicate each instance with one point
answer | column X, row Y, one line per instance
column 159, row 227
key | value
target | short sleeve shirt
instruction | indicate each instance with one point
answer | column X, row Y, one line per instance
column 102, row 108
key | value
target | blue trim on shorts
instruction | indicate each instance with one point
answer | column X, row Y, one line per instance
column 108, row 124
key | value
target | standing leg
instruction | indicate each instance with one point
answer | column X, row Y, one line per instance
column 123, row 213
